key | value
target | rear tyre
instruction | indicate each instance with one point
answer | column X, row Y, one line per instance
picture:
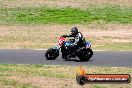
column 51, row 54
column 85, row 55
column 89, row 53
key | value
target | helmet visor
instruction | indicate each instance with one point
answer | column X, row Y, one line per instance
column 73, row 32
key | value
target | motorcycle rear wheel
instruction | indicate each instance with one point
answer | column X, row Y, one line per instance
column 85, row 56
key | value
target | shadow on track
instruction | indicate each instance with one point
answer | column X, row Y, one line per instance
column 76, row 60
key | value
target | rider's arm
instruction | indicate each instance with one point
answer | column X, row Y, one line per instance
column 78, row 38
column 67, row 36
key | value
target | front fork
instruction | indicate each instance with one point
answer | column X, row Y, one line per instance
column 57, row 47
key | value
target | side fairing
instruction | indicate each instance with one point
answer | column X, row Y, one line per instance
column 68, row 43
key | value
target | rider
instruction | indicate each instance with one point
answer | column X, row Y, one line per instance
column 78, row 39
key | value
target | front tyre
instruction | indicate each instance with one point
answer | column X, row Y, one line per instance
column 51, row 54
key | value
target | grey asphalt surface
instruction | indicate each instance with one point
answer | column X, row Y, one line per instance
column 100, row 58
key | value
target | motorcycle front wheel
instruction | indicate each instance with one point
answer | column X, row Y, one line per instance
column 51, row 54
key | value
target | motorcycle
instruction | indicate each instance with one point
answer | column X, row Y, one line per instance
column 83, row 53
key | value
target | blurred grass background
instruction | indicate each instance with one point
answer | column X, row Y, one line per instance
column 67, row 15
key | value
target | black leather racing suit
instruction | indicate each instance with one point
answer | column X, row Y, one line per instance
column 78, row 42
column 78, row 39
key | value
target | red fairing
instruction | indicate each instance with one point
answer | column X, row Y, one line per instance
column 61, row 40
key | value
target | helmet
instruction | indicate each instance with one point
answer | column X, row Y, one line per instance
column 74, row 30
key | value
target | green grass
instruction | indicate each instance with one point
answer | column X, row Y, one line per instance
column 60, row 72
column 97, row 86
column 114, row 46
column 45, row 15
column 31, row 70
column 6, row 83
column 54, row 71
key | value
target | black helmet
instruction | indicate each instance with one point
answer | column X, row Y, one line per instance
column 74, row 30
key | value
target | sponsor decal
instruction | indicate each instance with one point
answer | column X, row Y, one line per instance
column 82, row 77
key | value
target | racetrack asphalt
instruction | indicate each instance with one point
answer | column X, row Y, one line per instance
column 100, row 58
